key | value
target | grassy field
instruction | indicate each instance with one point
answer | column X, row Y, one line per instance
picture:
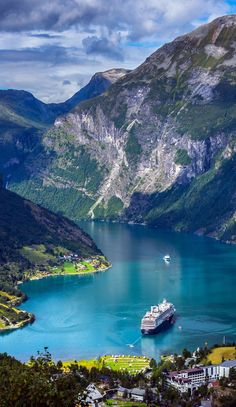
column 86, row 363
column 81, row 267
column 132, row 364
column 124, row 403
column 88, row 266
column 8, row 297
column 36, row 254
column 226, row 352
column 70, row 268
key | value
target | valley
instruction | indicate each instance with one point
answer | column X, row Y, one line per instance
column 156, row 145
column 118, row 203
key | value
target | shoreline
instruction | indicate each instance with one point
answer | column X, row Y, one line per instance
column 41, row 277
column 19, row 325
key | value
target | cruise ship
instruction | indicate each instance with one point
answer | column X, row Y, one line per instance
column 159, row 318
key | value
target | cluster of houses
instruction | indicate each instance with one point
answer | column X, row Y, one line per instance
column 184, row 381
column 190, row 379
column 93, row 397
column 70, row 257
column 75, row 258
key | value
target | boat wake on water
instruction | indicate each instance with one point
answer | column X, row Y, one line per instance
column 131, row 345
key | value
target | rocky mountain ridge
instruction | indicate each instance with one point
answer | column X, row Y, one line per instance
column 157, row 147
column 24, row 118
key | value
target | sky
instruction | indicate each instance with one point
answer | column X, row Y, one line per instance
column 51, row 48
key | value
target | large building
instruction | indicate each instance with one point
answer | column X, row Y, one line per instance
column 185, row 380
column 217, row 371
column 191, row 379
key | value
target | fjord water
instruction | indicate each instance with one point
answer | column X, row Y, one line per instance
column 86, row 316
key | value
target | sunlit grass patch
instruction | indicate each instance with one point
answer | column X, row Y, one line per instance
column 132, row 364
column 124, row 403
column 218, row 354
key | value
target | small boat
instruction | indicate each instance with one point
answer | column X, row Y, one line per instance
column 167, row 258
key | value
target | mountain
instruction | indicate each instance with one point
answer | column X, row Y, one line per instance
column 24, row 119
column 98, row 84
column 32, row 241
column 157, row 147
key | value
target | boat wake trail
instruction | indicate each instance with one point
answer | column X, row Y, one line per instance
column 131, row 345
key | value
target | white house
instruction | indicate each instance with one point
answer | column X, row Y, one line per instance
column 137, row 394
column 224, row 367
column 218, row 371
column 93, row 395
column 121, row 391
column 211, row 372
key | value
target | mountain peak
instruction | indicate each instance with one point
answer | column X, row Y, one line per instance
column 219, row 30
column 112, row 75
column 98, row 84
column 211, row 46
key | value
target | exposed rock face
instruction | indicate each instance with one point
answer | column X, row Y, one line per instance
column 158, row 146
column 24, row 119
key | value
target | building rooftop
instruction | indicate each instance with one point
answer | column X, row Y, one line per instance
column 206, row 403
column 189, row 371
column 138, row 392
column 208, row 366
column 121, row 389
column 193, row 370
column 93, row 393
column 229, row 363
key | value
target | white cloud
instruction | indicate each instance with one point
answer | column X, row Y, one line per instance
column 72, row 39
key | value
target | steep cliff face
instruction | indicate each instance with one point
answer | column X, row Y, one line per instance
column 24, row 119
column 158, row 146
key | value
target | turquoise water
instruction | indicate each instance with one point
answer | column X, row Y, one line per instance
column 99, row 314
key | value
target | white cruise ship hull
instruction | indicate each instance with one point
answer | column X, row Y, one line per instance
column 162, row 327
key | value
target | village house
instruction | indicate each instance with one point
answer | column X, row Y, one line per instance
column 137, row 394
column 122, row 392
column 91, row 396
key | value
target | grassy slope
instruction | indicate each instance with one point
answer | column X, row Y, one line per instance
column 217, row 354
column 71, row 173
column 31, row 239
column 132, row 364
